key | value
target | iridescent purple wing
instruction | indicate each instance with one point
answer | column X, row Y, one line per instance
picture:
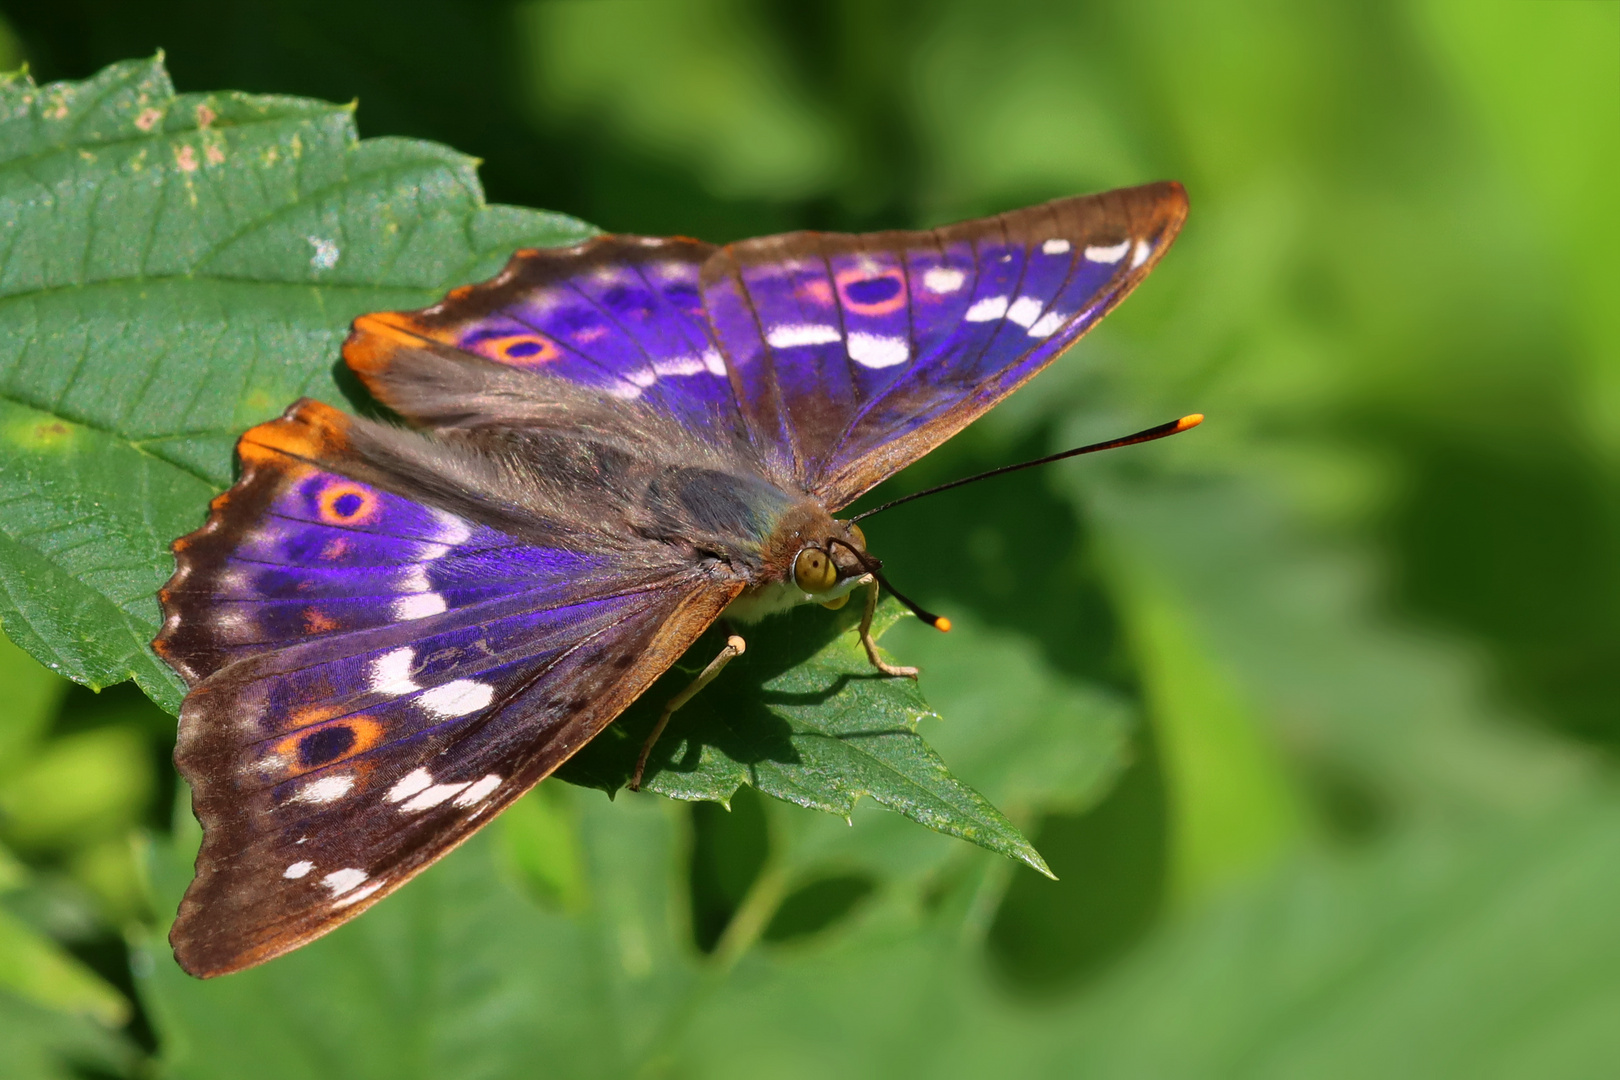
column 618, row 314
column 374, row 677
column 854, row 355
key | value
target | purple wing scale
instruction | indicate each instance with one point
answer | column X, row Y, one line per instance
column 371, row 677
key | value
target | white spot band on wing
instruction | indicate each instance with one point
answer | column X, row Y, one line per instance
column 683, row 364
column 432, row 797
column 943, row 279
column 1048, row 324
column 991, row 307
column 298, row 869
column 359, row 895
column 792, row 335
column 391, row 673
column 409, row 785
column 453, row 530
column 341, row 881
column 419, row 606
column 1143, row 250
column 1108, row 254
column 1055, row 247
column 326, row 789
column 1024, row 311
column 877, row 350
column 477, row 791
column 457, row 698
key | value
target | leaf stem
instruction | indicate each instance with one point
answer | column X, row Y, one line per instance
column 753, row 916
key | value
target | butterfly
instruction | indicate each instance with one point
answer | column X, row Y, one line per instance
column 391, row 632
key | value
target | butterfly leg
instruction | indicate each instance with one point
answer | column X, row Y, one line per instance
column 735, row 647
column 871, row 645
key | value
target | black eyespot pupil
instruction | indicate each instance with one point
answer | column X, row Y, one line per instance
column 325, row 745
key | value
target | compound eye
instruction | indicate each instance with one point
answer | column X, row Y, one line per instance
column 813, row 571
column 860, row 537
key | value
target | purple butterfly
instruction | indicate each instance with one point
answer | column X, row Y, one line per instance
column 390, row 634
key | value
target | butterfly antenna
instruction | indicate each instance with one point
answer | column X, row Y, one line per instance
column 1172, row 428
column 874, row 566
column 938, row 622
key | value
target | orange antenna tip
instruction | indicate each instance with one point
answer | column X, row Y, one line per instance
column 942, row 624
column 1191, row 420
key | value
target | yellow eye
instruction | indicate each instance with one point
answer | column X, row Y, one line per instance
column 813, row 571
column 860, row 537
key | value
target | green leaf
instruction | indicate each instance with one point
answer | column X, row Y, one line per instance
column 42, row 1044
column 34, row 967
column 33, row 695
column 1028, row 738
column 802, row 716
column 176, row 269
column 1484, row 952
column 181, row 267
column 458, row 975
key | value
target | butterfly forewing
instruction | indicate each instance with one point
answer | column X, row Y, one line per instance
column 373, row 676
column 859, row 353
column 622, row 315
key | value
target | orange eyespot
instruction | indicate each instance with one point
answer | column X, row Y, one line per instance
column 872, row 291
column 521, row 350
column 347, row 504
column 813, row 571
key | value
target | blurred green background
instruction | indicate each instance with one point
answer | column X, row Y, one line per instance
column 1367, row 618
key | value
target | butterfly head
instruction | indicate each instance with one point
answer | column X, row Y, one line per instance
column 827, row 569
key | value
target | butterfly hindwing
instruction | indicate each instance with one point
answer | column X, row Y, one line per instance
column 373, row 677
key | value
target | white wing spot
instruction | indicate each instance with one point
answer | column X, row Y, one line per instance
column 712, row 361
column 1143, row 250
column 457, row 698
column 341, row 881
column 684, row 364
column 356, row 897
column 877, row 350
column 391, row 673
column 432, row 797
column 1048, row 324
column 943, row 279
column 326, row 253
column 1025, row 310
column 452, row 530
column 793, row 335
column 419, row 605
column 991, row 307
column 1055, row 247
column 409, row 785
column 478, row 791
column 298, row 869
column 326, row 789
column 1108, row 254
